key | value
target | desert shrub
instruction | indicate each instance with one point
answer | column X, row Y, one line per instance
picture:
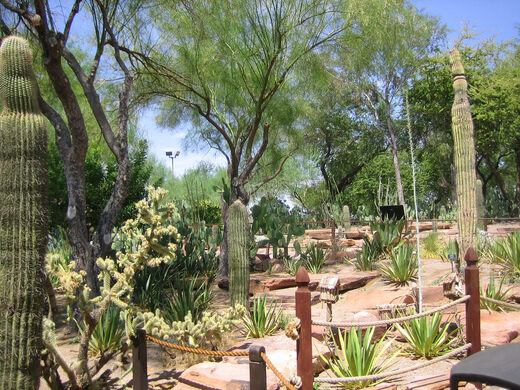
column 402, row 267
column 313, row 258
column 355, row 354
column 494, row 292
column 264, row 319
column 367, row 258
column 432, row 246
column 427, row 337
column 506, row 253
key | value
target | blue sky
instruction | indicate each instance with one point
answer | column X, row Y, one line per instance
column 498, row 18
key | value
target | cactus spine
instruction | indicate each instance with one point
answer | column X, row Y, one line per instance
column 23, row 218
column 464, row 156
column 238, row 244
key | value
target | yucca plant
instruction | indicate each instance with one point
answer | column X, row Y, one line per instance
column 108, row 334
column 187, row 298
column 427, row 336
column 292, row 265
column 366, row 259
column 506, row 253
column 263, row 319
column 313, row 258
column 493, row 292
column 355, row 354
column 431, row 246
column 402, row 267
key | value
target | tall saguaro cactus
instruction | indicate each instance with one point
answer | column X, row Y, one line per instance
column 238, row 244
column 464, row 156
column 23, row 218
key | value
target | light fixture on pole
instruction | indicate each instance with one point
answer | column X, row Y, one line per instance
column 170, row 154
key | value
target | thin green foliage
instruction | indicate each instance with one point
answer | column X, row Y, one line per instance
column 506, row 253
column 186, row 298
column 494, row 292
column 264, row 319
column 292, row 265
column 402, row 267
column 354, row 354
column 427, row 336
column 313, row 258
column 367, row 258
column 108, row 334
column 432, row 247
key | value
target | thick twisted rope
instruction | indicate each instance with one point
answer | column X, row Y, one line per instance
column 280, row 376
column 196, row 350
column 392, row 320
column 501, row 303
column 388, row 374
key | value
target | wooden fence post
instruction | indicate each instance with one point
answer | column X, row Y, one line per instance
column 257, row 369
column 471, row 275
column 304, row 342
column 139, row 359
column 332, row 231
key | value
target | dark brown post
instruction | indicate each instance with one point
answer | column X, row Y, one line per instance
column 304, row 342
column 257, row 370
column 139, row 359
column 471, row 276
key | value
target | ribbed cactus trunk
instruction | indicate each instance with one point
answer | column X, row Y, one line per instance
column 464, row 157
column 481, row 207
column 23, row 218
column 238, row 244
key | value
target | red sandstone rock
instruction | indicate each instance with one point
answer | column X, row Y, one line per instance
column 499, row 328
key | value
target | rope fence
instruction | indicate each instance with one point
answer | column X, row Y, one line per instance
column 389, row 374
column 392, row 320
column 500, row 303
column 260, row 384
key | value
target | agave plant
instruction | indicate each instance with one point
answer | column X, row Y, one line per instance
column 355, row 354
column 187, row 298
column 402, row 267
column 427, row 336
column 493, row 292
column 292, row 265
column 313, row 258
column 366, row 259
column 263, row 320
column 390, row 233
column 108, row 334
column 506, row 253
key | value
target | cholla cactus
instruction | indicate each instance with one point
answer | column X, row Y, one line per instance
column 146, row 241
column 23, row 218
column 464, row 156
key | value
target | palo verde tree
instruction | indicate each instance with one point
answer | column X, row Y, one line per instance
column 380, row 51
column 225, row 66
column 51, row 34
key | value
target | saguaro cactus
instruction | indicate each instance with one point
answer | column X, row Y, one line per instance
column 346, row 218
column 23, row 218
column 464, row 156
column 238, row 244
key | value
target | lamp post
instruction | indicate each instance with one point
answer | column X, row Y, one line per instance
column 172, row 156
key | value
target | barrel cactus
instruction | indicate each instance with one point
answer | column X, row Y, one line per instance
column 23, row 218
column 238, row 244
column 464, row 156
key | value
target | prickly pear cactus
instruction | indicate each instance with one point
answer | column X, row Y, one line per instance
column 238, row 244
column 23, row 218
column 464, row 157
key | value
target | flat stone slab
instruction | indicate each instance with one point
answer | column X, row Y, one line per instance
column 499, row 328
column 348, row 280
column 287, row 296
